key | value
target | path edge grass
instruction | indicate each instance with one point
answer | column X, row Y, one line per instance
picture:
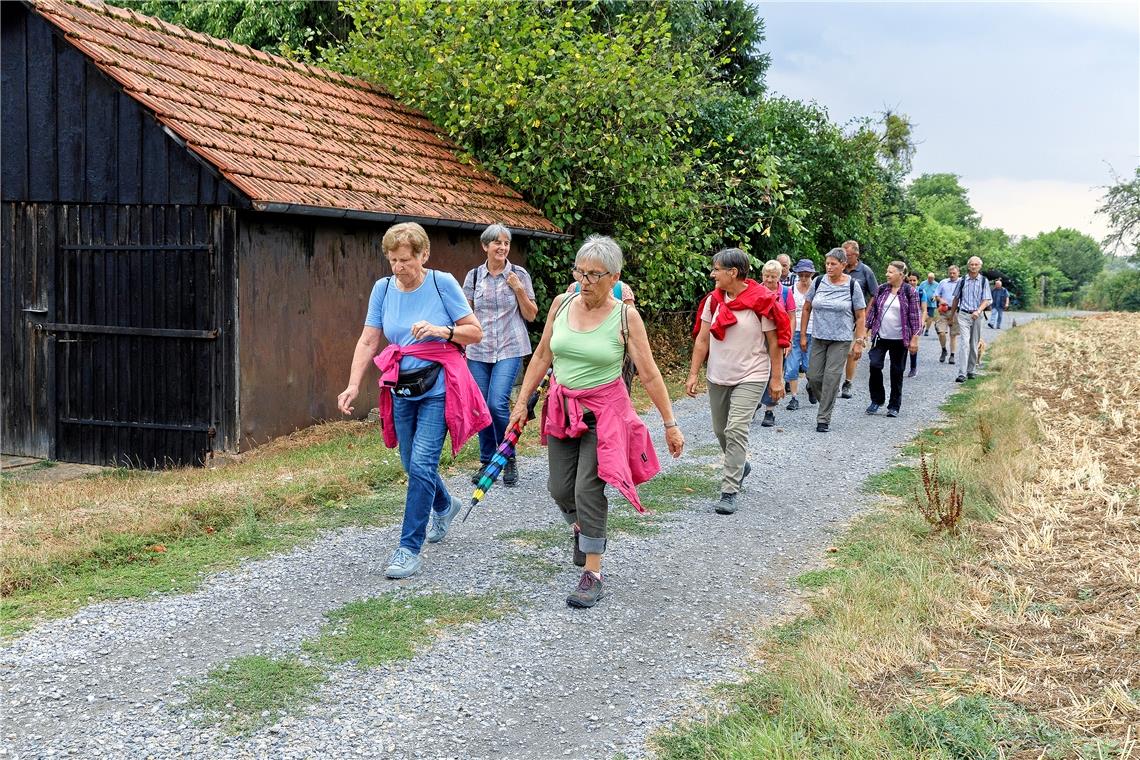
column 831, row 677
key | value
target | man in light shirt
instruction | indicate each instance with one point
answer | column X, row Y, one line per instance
column 970, row 301
column 946, row 324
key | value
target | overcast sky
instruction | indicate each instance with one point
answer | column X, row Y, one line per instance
column 1032, row 104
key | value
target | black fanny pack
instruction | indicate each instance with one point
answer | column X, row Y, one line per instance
column 417, row 382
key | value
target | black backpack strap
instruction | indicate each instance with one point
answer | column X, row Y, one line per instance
column 438, row 292
column 384, row 296
column 851, row 294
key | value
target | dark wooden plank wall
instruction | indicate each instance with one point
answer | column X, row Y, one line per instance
column 303, row 288
column 71, row 135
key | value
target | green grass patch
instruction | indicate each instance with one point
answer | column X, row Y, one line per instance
column 899, row 480
column 978, row 728
column 251, row 692
column 820, row 578
column 390, row 627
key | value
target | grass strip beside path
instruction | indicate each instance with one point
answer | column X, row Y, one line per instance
column 128, row 533
column 1017, row 638
column 251, row 692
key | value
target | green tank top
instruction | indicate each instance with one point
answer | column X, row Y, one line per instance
column 587, row 359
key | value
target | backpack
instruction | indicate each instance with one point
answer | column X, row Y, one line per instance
column 617, row 291
column 384, row 297
column 628, row 370
column 962, row 284
column 850, row 290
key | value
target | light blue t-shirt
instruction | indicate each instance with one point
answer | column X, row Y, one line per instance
column 926, row 291
column 394, row 311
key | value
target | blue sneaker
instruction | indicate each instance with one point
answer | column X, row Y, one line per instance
column 403, row 564
column 441, row 521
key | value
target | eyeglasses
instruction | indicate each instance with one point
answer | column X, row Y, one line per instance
column 590, row 277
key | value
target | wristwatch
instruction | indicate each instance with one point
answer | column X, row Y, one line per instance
column 862, row 341
column 672, row 424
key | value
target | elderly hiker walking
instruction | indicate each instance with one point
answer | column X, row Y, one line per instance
column 592, row 433
column 928, row 289
column 742, row 327
column 770, row 279
column 865, row 280
column 426, row 389
column 502, row 296
column 1000, row 303
column 894, row 322
column 797, row 360
column 970, row 300
column 837, row 306
column 947, row 325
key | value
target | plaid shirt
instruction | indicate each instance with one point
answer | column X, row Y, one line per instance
column 971, row 293
column 910, row 310
column 504, row 330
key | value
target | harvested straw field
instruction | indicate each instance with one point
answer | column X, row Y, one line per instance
column 1051, row 618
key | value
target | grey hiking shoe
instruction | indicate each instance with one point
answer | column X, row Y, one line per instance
column 403, row 564
column 951, row 359
column 441, row 521
column 793, row 405
column 845, row 392
column 727, row 504
column 769, row 419
column 588, row 593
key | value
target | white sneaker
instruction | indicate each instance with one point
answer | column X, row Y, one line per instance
column 403, row 564
column 441, row 521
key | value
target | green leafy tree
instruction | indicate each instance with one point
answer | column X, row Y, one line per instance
column 589, row 120
column 1067, row 258
column 293, row 28
column 1122, row 207
column 1115, row 291
column 942, row 197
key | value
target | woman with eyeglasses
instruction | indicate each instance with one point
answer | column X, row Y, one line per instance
column 592, row 433
column 743, row 329
column 426, row 389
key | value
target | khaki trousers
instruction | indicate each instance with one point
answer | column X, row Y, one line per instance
column 825, row 373
column 732, row 409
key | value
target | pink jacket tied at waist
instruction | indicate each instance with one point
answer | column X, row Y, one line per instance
column 464, row 410
column 625, row 451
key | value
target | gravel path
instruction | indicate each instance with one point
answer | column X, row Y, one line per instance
column 547, row 682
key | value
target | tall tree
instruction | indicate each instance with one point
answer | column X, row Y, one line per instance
column 1075, row 257
column 942, row 197
column 1122, row 207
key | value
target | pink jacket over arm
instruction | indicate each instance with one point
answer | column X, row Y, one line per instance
column 464, row 410
column 625, row 451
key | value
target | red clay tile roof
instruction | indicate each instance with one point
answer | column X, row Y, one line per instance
column 283, row 132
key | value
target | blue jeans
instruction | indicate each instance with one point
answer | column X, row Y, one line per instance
column 495, row 381
column 995, row 317
column 420, row 427
column 797, row 360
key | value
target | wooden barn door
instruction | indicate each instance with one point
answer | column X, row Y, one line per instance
column 135, row 334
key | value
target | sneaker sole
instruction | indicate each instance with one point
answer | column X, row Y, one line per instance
column 581, row 604
column 399, row 575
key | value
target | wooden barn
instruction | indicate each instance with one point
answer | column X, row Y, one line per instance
column 191, row 230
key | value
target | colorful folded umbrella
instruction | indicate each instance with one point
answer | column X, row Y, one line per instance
column 506, row 449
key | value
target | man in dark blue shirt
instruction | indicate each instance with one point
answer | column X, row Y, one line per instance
column 1000, row 302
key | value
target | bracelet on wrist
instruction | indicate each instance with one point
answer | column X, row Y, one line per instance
column 672, row 424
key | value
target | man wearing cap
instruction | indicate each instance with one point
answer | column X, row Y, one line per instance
column 970, row 300
column 865, row 277
column 797, row 361
column 926, row 293
column 946, row 323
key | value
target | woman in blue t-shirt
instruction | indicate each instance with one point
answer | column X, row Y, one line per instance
column 415, row 305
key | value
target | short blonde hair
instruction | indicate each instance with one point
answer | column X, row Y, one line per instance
column 771, row 266
column 407, row 233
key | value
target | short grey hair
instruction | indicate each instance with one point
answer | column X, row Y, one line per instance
column 838, row 254
column 772, row 266
column 733, row 258
column 602, row 249
column 492, row 233
column 784, row 257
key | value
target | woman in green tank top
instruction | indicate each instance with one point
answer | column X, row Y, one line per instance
column 586, row 337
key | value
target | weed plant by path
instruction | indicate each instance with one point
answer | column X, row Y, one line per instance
column 687, row 589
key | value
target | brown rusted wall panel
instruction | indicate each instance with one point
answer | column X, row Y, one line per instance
column 303, row 293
